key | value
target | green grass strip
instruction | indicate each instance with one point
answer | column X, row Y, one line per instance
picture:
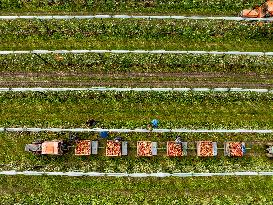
column 135, row 34
column 108, row 62
column 204, row 190
column 117, row 6
column 134, row 109
column 14, row 157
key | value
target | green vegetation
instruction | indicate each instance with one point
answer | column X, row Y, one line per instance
column 136, row 109
column 103, row 190
column 152, row 63
column 224, row 7
column 137, row 70
column 14, row 157
column 133, row 109
column 132, row 79
column 135, row 34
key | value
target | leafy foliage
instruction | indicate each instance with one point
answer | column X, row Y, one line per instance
column 136, row 109
column 92, row 62
column 135, row 34
column 14, row 156
column 115, row 6
column 201, row 30
column 103, row 190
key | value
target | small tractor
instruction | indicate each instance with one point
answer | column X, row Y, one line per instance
column 54, row 147
column 263, row 11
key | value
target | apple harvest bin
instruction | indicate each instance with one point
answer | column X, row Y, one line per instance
column 86, row 147
column 176, row 150
column 146, row 148
column 206, row 149
column 234, row 149
column 115, row 149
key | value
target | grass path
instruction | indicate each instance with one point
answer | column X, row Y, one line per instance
column 64, row 190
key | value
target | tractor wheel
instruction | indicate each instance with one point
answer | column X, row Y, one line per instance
column 267, row 15
column 269, row 155
column 269, row 144
column 38, row 153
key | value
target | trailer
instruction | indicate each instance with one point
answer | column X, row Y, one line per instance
column 116, row 148
column 263, row 11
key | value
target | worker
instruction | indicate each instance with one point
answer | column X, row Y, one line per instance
column 104, row 134
column 73, row 137
column 149, row 127
column 154, row 123
column 64, row 146
column 178, row 141
column 270, row 150
column 91, row 122
column 118, row 139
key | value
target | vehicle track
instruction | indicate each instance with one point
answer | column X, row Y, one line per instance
column 158, row 84
column 134, row 79
column 132, row 74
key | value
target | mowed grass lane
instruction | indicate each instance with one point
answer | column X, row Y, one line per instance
column 14, row 157
column 133, row 34
column 137, row 70
column 152, row 7
column 132, row 79
column 84, row 190
column 136, row 109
